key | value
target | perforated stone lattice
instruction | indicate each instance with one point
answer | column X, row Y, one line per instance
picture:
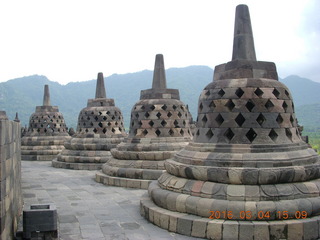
column 160, row 120
column 98, row 120
column 47, row 123
column 254, row 112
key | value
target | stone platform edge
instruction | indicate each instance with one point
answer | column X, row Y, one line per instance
column 195, row 226
column 122, row 182
column 76, row 166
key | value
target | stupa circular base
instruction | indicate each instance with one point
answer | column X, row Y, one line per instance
column 76, row 166
column 195, row 226
column 121, row 181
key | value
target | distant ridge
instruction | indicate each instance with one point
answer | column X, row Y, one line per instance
column 22, row 95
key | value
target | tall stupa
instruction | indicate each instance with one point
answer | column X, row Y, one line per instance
column 100, row 128
column 159, row 127
column 46, row 133
column 247, row 174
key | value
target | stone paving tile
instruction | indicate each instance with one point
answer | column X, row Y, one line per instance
column 88, row 210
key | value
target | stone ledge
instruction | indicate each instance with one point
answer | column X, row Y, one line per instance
column 217, row 229
column 122, row 182
column 76, row 166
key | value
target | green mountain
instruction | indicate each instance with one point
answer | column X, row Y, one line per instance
column 23, row 94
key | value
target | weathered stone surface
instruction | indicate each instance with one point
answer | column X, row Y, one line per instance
column 100, row 128
column 46, row 133
column 247, row 165
column 159, row 127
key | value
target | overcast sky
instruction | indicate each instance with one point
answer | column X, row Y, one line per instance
column 73, row 40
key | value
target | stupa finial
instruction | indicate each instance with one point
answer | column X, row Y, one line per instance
column 46, row 96
column 243, row 45
column 100, row 89
column 17, row 118
column 159, row 74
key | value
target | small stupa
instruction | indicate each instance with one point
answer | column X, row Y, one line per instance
column 46, row 133
column 247, row 174
column 159, row 127
column 100, row 128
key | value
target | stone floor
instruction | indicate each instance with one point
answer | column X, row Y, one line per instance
column 87, row 209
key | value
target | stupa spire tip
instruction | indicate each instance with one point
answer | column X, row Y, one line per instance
column 46, row 96
column 159, row 74
column 100, row 89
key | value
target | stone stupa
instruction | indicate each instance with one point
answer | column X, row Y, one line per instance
column 247, row 174
column 46, row 133
column 159, row 127
column 100, row 128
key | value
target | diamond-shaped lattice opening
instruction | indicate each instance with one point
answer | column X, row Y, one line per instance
column 261, row 119
column 108, row 112
column 92, row 113
column 212, row 105
column 120, row 129
column 100, row 124
column 198, row 132
column 181, row 132
column 164, row 107
column 91, row 123
column 137, row 115
column 251, row 135
column 116, row 124
column 207, row 93
column 104, row 118
column 273, row 135
column 176, row 123
column 113, row 130
column 240, row 119
column 200, row 106
column 250, row 105
column 45, row 130
column 221, row 93
column 152, row 107
column 230, row 105
column 239, row 92
column 145, row 132
column 204, row 119
column 229, row 134
column 84, row 124
column 147, row 115
column 135, row 132
column 151, row 123
column 109, row 123
column 258, row 92
column 269, row 104
column 287, row 93
column 163, row 123
column 158, row 132
column 179, row 114
column 209, row 134
column 100, row 113
column 158, row 115
column 276, row 93
column 174, row 107
column 291, row 119
column 184, row 123
column 285, row 106
column 113, row 117
column 140, row 123
column 219, row 119
column 292, row 107
column 289, row 133
column 143, row 107
column 86, row 130
column 279, row 119
column 132, row 123
column 169, row 114
column 171, row 132
column 95, row 130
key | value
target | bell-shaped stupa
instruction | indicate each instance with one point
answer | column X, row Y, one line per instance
column 247, row 174
column 100, row 128
column 159, row 127
column 46, row 134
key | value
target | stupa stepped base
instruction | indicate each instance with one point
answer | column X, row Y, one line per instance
column 76, row 166
column 122, row 181
column 220, row 229
column 42, row 148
